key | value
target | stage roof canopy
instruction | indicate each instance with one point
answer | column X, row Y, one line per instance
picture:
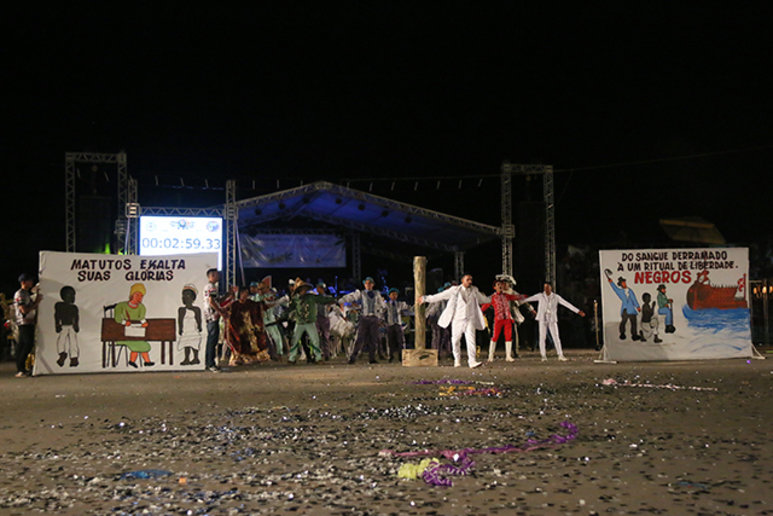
column 364, row 212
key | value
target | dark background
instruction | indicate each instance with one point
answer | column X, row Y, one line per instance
column 308, row 91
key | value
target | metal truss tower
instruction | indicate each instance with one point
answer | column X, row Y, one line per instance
column 458, row 264
column 71, row 159
column 232, row 227
column 550, row 225
column 356, row 257
column 508, row 230
column 132, row 214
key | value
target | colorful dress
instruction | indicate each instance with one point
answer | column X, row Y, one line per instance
column 126, row 312
column 246, row 334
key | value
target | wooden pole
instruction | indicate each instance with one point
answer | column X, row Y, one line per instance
column 419, row 287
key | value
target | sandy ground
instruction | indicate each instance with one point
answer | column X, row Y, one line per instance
column 306, row 439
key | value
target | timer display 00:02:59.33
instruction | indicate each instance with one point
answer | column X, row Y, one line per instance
column 181, row 243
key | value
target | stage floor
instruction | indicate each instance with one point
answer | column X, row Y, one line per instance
column 306, row 439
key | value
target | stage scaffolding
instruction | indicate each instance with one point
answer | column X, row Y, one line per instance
column 227, row 211
column 508, row 230
column 71, row 161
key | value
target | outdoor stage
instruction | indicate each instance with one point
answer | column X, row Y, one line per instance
column 306, row 438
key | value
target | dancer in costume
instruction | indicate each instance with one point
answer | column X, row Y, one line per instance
column 372, row 305
column 395, row 310
column 464, row 316
column 304, row 308
column 245, row 330
column 270, row 321
column 547, row 316
column 323, row 322
column 503, row 319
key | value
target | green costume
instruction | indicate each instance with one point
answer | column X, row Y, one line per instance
column 304, row 313
column 269, row 321
column 124, row 312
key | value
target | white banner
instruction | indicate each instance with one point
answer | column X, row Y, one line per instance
column 275, row 250
column 107, row 313
column 675, row 304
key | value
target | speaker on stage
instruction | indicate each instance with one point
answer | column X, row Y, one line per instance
column 434, row 280
column 95, row 224
column 529, row 246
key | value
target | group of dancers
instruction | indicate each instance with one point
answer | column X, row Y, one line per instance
column 309, row 323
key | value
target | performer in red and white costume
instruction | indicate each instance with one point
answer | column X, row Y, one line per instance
column 503, row 319
column 547, row 316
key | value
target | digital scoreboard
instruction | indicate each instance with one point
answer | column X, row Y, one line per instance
column 162, row 235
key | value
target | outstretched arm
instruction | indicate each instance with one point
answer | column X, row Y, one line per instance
column 570, row 306
column 442, row 296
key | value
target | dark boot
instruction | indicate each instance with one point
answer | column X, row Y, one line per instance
column 622, row 337
column 195, row 359
column 61, row 359
column 187, row 359
column 73, row 362
column 641, row 337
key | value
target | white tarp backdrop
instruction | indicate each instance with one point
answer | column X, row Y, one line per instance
column 292, row 250
column 87, row 300
column 675, row 304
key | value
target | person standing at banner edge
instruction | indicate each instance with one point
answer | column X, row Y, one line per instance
column 547, row 316
column 464, row 315
column 629, row 308
column 133, row 311
column 212, row 312
column 26, row 315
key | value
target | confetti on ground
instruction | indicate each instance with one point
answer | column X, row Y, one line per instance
column 611, row 382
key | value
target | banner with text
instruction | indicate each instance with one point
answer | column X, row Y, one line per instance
column 111, row 313
column 675, row 304
column 292, row 250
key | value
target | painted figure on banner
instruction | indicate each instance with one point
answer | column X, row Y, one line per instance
column 666, row 308
column 131, row 314
column 629, row 308
column 189, row 327
column 246, row 335
column 66, row 322
column 649, row 320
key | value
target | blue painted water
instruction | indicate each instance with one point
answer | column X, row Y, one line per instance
column 715, row 320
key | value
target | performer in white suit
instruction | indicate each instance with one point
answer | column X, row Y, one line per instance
column 463, row 314
column 547, row 317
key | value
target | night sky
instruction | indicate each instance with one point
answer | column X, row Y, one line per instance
column 325, row 90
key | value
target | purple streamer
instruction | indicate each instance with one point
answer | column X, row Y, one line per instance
column 432, row 474
column 441, row 382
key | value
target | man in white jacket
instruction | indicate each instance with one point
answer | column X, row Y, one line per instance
column 463, row 314
column 547, row 316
